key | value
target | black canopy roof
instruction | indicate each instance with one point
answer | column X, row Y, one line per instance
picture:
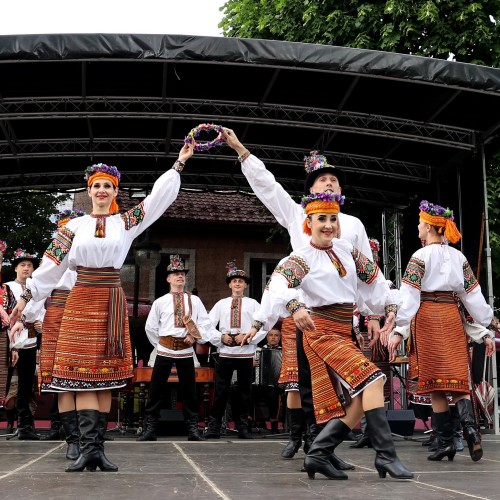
column 398, row 125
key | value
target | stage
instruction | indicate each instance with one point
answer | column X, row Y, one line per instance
column 236, row 469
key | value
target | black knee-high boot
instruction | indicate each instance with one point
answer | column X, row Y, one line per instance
column 444, row 432
column 69, row 422
column 88, row 421
column 318, row 457
column 379, row 432
column 297, row 426
column 104, row 464
column 471, row 433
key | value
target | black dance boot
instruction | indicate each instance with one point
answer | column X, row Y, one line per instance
column 471, row 433
column 104, row 463
column 297, row 424
column 457, row 429
column 69, row 422
column 312, row 433
column 379, row 432
column 318, row 459
column 54, row 433
column 444, row 438
column 193, row 430
column 151, row 427
column 244, row 429
column 89, row 441
column 25, row 429
column 213, row 428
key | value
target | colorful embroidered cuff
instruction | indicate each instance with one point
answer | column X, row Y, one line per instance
column 376, row 318
column 178, row 165
column 244, row 156
column 26, row 295
column 257, row 324
column 294, row 305
column 391, row 308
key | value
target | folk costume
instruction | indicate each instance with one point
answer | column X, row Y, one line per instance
column 436, row 276
column 93, row 349
column 233, row 315
column 26, row 364
column 331, row 278
column 290, row 215
column 7, row 304
column 166, row 330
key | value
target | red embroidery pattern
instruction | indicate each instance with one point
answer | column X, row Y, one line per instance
column 179, row 310
column 134, row 216
column 236, row 312
column 470, row 281
column 366, row 270
column 414, row 273
column 60, row 245
column 294, row 269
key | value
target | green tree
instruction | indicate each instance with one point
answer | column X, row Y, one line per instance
column 26, row 223
column 433, row 28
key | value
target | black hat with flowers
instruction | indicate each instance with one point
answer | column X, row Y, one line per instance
column 177, row 265
column 233, row 272
column 20, row 255
column 316, row 165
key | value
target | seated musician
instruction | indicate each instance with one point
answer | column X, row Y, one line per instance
column 271, row 395
column 167, row 330
column 233, row 315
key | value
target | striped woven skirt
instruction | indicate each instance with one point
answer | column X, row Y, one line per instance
column 93, row 349
column 51, row 326
column 289, row 374
column 4, row 365
column 339, row 370
column 438, row 347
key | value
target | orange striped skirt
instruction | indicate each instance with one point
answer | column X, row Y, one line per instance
column 51, row 326
column 438, row 347
column 93, row 349
column 289, row 368
column 339, row 370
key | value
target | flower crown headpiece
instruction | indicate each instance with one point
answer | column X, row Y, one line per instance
column 374, row 244
column 437, row 210
column 3, row 246
column 22, row 254
column 68, row 214
column 103, row 168
column 314, row 162
column 325, row 197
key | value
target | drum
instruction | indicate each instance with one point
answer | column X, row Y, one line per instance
column 269, row 367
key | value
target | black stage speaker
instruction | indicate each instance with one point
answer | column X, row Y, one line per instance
column 401, row 422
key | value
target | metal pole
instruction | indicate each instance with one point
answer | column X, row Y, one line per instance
column 489, row 275
column 137, row 275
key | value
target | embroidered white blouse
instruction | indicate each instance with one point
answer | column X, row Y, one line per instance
column 162, row 321
column 441, row 268
column 76, row 245
column 313, row 270
column 221, row 314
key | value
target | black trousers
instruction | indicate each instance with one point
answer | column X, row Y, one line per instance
column 223, row 375
column 26, row 366
column 187, row 382
column 305, row 385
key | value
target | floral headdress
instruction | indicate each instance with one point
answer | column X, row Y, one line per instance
column 3, row 247
column 176, row 265
column 65, row 216
column 234, row 272
column 20, row 255
column 315, row 164
column 101, row 168
column 440, row 217
column 325, row 203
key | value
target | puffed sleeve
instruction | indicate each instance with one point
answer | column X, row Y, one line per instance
column 164, row 192
column 410, row 291
column 153, row 324
column 214, row 316
column 473, row 299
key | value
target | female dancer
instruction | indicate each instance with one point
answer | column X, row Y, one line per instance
column 331, row 273
column 435, row 278
column 93, row 353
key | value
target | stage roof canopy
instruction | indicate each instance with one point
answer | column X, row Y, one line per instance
column 394, row 123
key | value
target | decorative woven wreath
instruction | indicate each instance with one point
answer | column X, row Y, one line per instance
column 204, row 127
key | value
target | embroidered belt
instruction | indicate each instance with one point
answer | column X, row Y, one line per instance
column 341, row 313
column 447, row 297
column 173, row 343
column 58, row 298
column 108, row 277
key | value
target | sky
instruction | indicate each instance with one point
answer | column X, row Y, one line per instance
column 174, row 17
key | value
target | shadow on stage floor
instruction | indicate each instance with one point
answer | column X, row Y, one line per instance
column 237, row 469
